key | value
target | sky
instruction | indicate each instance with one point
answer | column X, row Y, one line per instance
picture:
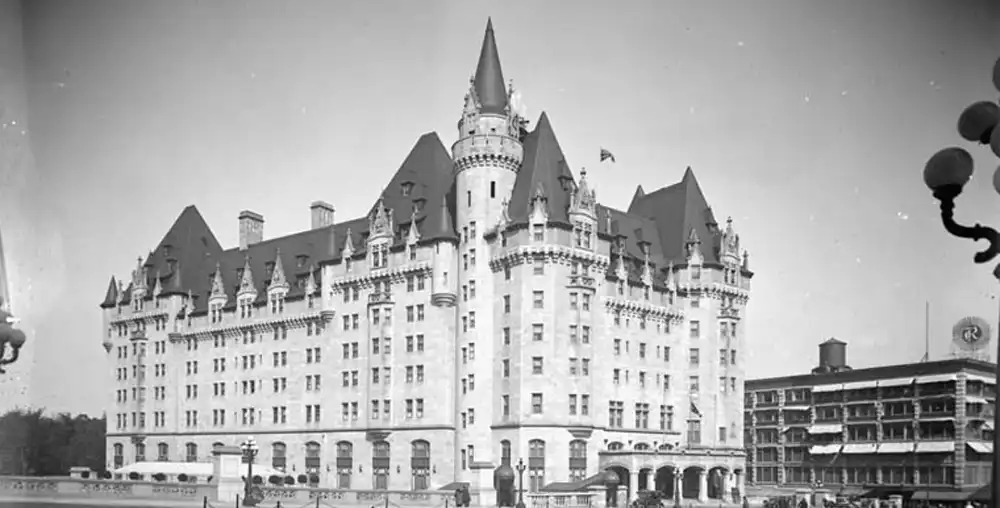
column 807, row 122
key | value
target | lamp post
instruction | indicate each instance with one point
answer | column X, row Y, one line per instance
column 249, row 448
column 11, row 339
column 946, row 174
column 520, row 467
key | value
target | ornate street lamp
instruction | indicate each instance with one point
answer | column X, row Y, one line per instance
column 946, row 174
column 9, row 336
column 249, row 448
column 520, row 482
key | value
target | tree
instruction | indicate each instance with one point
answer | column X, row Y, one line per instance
column 33, row 444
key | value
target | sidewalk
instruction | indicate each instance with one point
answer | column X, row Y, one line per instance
column 103, row 501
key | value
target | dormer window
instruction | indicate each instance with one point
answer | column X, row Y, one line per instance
column 380, row 256
column 406, row 189
column 301, row 260
column 167, row 249
column 696, row 273
column 246, row 308
column 268, row 270
column 584, row 235
column 277, row 303
column 538, row 232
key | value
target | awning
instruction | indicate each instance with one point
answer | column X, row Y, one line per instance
column 827, row 449
column 939, row 378
column 980, row 447
column 860, row 385
column 859, row 448
column 941, row 495
column 829, row 428
column 976, row 399
column 895, row 448
column 981, row 379
column 828, row 388
column 902, row 381
column 796, row 408
column 935, row 447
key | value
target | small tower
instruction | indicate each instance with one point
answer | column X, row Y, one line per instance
column 247, row 293
column 380, row 236
column 277, row 290
column 694, row 256
column 488, row 152
column 583, row 214
column 217, row 298
column 444, row 283
column 729, row 254
column 139, row 286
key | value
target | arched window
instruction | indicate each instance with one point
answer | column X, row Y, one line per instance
column 345, row 464
column 505, row 452
column 536, row 465
column 380, row 464
column 642, row 447
column 216, row 445
column 140, row 452
column 191, row 452
column 312, row 458
column 162, row 452
column 615, row 446
column 278, row 456
column 118, row 450
column 420, row 464
column 577, row 460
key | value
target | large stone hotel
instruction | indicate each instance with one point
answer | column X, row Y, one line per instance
column 486, row 310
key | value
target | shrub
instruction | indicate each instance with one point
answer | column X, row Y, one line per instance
column 134, row 476
column 210, row 478
column 275, row 480
column 106, row 475
column 257, row 480
column 160, row 477
column 182, row 478
column 289, row 480
column 314, row 479
column 303, row 478
column 84, row 474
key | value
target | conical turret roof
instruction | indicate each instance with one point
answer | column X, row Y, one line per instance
column 489, row 84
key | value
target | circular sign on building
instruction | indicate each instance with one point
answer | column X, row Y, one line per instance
column 971, row 334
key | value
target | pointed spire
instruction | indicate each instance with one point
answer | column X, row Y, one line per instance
column 488, row 81
column 246, row 282
column 671, row 277
column 139, row 276
column 413, row 235
column 440, row 225
column 380, row 221
column 693, row 244
column 278, row 280
column 311, row 281
column 504, row 218
column 218, row 287
column 348, row 249
column 111, row 296
column 121, row 292
column 157, row 286
column 746, row 260
column 583, row 199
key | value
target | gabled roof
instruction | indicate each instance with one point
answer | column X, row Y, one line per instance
column 191, row 248
column 111, row 297
column 488, row 82
column 676, row 210
column 544, row 168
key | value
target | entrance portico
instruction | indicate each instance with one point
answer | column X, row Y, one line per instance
column 697, row 475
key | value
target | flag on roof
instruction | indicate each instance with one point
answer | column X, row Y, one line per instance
column 605, row 155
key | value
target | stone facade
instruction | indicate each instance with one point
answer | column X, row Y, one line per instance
column 533, row 325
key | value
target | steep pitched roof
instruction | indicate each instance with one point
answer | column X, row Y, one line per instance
column 490, row 88
column 544, row 168
column 676, row 210
column 111, row 297
column 428, row 172
column 189, row 253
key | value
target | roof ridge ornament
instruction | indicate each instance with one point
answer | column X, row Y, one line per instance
column 218, row 286
column 246, row 281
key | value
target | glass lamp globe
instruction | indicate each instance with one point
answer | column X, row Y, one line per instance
column 977, row 121
column 996, row 75
column 950, row 167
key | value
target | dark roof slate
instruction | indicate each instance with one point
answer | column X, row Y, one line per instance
column 488, row 81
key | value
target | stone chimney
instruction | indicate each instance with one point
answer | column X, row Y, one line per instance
column 251, row 228
column 322, row 214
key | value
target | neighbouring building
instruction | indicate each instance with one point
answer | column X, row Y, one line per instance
column 486, row 310
column 921, row 429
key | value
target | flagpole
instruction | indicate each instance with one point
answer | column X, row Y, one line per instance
column 927, row 331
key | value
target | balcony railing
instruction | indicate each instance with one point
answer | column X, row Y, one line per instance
column 380, row 297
